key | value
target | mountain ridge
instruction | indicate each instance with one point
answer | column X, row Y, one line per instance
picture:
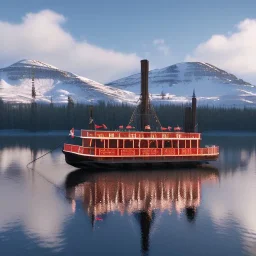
column 175, row 84
column 170, row 85
column 51, row 82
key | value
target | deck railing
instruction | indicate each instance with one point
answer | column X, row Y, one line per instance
column 135, row 134
column 134, row 152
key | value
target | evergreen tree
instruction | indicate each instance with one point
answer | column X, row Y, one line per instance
column 70, row 112
column 1, row 113
column 36, row 116
column 33, row 86
column 163, row 95
column 71, row 103
column 33, row 116
column 33, row 109
column 51, row 104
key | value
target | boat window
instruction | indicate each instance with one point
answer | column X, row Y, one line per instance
column 112, row 143
column 174, row 143
column 121, row 144
column 143, row 144
column 128, row 144
column 99, row 143
column 136, row 144
column 152, row 144
column 183, row 144
column 167, row 144
column 193, row 144
column 159, row 144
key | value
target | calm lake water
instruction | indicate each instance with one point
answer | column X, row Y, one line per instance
column 56, row 209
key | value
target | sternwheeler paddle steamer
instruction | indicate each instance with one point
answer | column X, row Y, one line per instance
column 151, row 144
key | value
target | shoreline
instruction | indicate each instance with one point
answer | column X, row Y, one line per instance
column 19, row 132
column 29, row 133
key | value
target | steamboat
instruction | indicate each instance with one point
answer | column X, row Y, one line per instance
column 146, row 146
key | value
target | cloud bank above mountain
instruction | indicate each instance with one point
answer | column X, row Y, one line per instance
column 42, row 36
column 233, row 52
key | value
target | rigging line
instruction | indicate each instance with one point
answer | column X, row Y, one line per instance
column 45, row 154
column 133, row 114
column 52, row 183
column 42, row 157
column 154, row 113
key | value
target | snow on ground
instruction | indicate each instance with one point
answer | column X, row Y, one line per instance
column 50, row 82
column 35, row 63
column 173, row 84
column 212, row 86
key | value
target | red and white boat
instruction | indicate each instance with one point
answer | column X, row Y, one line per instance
column 127, row 146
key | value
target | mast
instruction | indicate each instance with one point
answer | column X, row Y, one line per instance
column 33, row 113
column 190, row 116
column 144, row 95
column 91, row 122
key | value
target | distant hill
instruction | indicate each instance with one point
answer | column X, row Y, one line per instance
column 176, row 83
column 173, row 84
column 16, row 80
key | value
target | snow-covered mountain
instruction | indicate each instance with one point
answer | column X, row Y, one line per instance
column 173, row 84
column 176, row 83
column 16, row 84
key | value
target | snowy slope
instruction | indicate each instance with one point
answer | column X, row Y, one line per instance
column 16, row 84
column 212, row 85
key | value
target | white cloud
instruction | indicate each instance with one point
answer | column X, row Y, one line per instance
column 161, row 46
column 41, row 36
column 234, row 52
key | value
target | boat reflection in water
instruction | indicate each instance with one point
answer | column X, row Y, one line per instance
column 140, row 193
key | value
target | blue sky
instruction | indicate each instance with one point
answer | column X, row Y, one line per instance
column 165, row 32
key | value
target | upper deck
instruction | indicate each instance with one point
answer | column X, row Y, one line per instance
column 138, row 135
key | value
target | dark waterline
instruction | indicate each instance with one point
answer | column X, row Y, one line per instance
column 57, row 209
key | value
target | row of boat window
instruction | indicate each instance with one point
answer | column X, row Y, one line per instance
column 139, row 144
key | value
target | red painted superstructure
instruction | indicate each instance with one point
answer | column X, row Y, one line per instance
column 141, row 147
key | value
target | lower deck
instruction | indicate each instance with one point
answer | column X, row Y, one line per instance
column 79, row 156
column 140, row 152
column 81, row 161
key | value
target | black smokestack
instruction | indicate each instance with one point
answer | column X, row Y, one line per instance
column 194, row 112
column 188, row 120
column 144, row 94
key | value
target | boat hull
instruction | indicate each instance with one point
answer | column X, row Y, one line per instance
column 81, row 161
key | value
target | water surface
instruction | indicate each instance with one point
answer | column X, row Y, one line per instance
column 58, row 209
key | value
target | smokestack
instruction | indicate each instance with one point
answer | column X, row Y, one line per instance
column 144, row 94
column 188, row 120
column 194, row 112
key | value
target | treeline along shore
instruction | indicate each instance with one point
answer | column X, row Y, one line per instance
column 46, row 117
